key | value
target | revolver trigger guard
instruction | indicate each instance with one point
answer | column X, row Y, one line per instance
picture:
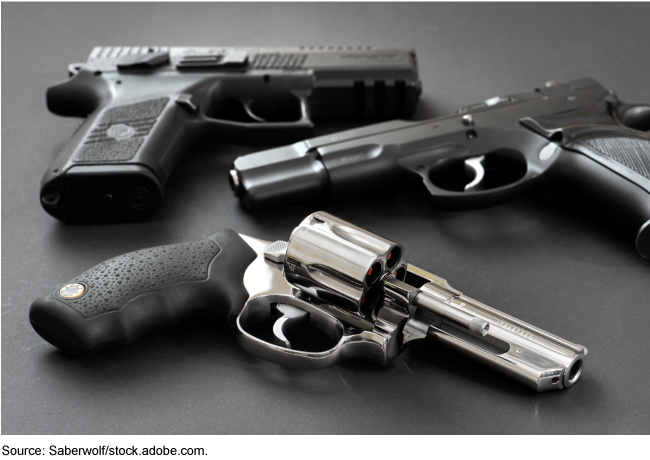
column 365, row 345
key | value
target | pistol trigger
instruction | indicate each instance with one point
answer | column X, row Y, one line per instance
column 249, row 112
column 292, row 317
column 475, row 164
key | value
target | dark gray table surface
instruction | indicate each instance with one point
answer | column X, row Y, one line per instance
column 540, row 258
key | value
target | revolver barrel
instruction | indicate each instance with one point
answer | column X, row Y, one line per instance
column 529, row 354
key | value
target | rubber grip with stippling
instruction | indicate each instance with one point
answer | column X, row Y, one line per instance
column 144, row 292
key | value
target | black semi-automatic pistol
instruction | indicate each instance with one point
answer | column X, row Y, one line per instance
column 348, row 287
column 145, row 105
column 576, row 134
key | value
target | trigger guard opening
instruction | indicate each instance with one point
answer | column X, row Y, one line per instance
column 445, row 199
column 482, row 195
column 260, row 315
column 497, row 169
column 365, row 345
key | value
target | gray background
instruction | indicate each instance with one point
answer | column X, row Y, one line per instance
column 540, row 258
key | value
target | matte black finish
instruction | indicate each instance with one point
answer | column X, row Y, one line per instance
column 145, row 292
column 602, row 190
column 146, row 105
column 518, row 138
column 541, row 257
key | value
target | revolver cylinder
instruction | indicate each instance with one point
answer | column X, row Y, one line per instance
column 340, row 262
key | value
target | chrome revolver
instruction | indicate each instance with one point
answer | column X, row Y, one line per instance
column 349, row 287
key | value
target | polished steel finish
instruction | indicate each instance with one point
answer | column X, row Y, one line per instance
column 478, row 326
column 267, row 287
column 291, row 317
column 398, row 290
column 256, row 244
column 449, row 312
column 333, row 259
column 308, row 281
column 276, row 251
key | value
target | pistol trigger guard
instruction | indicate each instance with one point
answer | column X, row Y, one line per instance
column 292, row 317
column 476, row 165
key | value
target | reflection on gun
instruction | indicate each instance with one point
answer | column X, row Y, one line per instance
column 576, row 133
column 334, row 291
column 145, row 105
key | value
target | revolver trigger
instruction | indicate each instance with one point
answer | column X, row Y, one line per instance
column 292, row 317
column 476, row 166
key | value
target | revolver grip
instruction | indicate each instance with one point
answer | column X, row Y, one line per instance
column 114, row 166
column 144, row 292
column 613, row 167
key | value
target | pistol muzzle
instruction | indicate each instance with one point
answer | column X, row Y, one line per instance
column 278, row 177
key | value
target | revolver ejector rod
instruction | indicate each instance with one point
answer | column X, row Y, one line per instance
column 396, row 289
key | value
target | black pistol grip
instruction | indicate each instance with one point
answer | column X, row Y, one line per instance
column 613, row 167
column 144, row 292
column 114, row 167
